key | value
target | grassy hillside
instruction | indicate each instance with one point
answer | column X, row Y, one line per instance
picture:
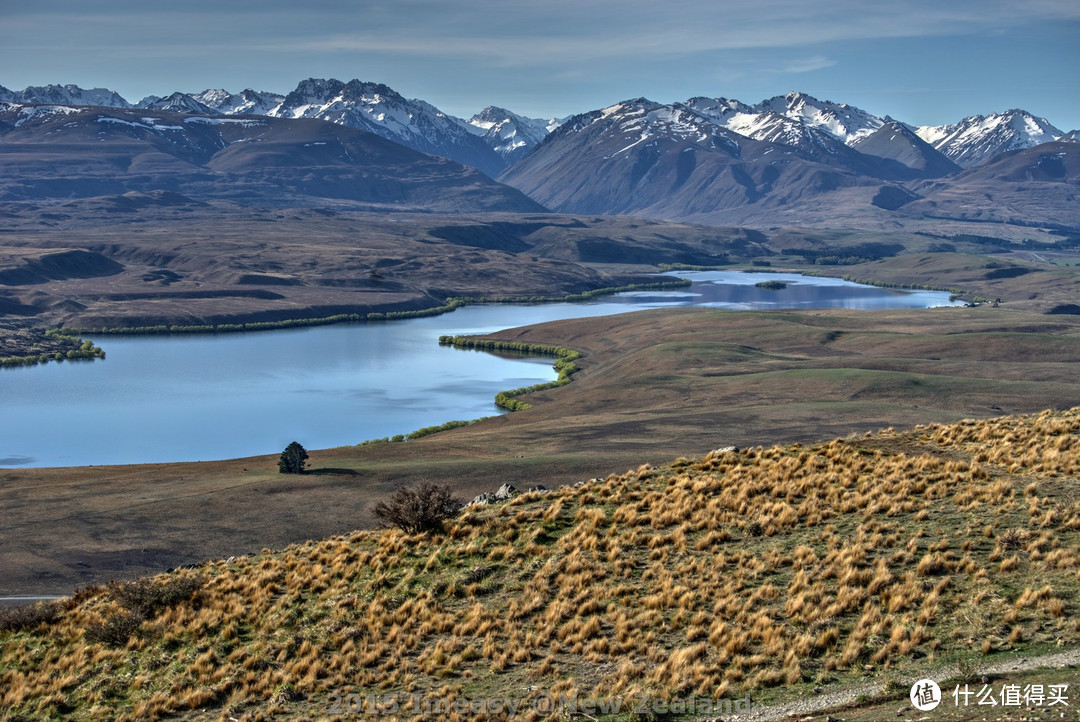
column 766, row 571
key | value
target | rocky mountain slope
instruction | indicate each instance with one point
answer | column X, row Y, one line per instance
column 1037, row 186
column 788, row 161
column 512, row 136
column 670, row 161
column 58, row 151
column 381, row 110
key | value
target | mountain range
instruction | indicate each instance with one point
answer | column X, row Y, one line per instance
column 812, row 163
column 709, row 160
column 506, row 137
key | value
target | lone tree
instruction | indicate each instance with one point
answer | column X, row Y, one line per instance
column 418, row 511
column 293, row 459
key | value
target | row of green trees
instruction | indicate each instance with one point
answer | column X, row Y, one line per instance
column 564, row 365
column 83, row 350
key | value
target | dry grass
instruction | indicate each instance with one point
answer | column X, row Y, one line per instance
column 780, row 567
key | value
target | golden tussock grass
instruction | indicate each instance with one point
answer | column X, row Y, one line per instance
column 741, row 571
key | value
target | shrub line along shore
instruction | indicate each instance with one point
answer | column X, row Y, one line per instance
column 452, row 303
column 81, row 350
column 86, row 349
column 564, row 365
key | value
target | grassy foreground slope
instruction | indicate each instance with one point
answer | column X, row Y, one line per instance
column 765, row 571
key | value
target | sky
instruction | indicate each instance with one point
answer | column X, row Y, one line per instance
column 926, row 62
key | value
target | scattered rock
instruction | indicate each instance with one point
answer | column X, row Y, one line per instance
column 506, row 492
column 486, row 498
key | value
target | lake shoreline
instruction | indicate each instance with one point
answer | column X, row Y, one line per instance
column 30, row 356
column 341, row 385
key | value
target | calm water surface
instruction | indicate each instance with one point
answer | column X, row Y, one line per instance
column 188, row 398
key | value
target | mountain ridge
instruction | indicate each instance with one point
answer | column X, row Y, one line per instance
column 54, row 152
column 507, row 137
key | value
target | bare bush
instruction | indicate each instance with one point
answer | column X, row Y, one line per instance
column 418, row 511
column 146, row 597
column 115, row 630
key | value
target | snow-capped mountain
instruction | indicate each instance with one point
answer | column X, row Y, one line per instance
column 786, row 118
column 978, row 138
column 177, row 103
column 381, row 110
column 246, row 102
column 671, row 162
column 840, row 120
column 64, row 95
column 512, row 136
column 1034, row 186
column 682, row 162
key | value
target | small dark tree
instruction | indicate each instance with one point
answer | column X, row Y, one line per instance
column 418, row 511
column 293, row 459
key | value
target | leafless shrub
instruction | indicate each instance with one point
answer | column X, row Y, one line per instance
column 418, row 511
column 146, row 597
column 1012, row 539
column 115, row 630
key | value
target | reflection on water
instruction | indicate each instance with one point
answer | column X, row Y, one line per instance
column 188, row 398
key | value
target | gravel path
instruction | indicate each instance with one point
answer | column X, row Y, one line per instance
column 800, row 708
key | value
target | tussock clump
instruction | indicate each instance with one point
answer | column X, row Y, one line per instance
column 16, row 619
column 737, row 573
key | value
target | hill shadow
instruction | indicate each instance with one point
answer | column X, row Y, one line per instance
column 332, row 472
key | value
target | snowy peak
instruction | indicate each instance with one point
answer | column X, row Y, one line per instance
column 379, row 109
column 512, row 136
column 840, row 120
column 787, row 118
column 978, row 138
column 329, row 95
column 719, row 110
column 625, row 128
column 246, row 102
column 180, row 103
column 495, row 137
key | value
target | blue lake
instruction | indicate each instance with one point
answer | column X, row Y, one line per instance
column 189, row 398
